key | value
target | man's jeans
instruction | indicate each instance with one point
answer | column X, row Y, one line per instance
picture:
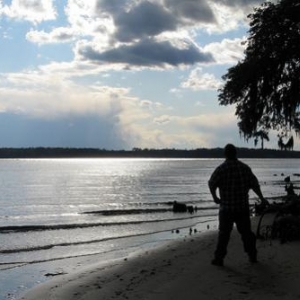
column 243, row 224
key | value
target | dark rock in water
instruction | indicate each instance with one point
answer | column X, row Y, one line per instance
column 182, row 207
column 190, row 209
column 179, row 207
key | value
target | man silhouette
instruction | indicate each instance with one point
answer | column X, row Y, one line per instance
column 234, row 179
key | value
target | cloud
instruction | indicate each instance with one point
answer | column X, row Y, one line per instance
column 134, row 19
column 85, row 19
column 209, row 121
column 83, row 22
column 230, row 15
column 72, row 115
column 109, row 35
column 227, row 51
column 49, row 96
column 34, row 11
column 114, row 7
column 191, row 11
column 146, row 53
column 125, row 35
column 58, row 35
column 210, row 129
column 141, row 19
column 144, row 20
column 175, row 131
column 48, row 99
column 162, row 119
column 239, row 3
column 201, row 81
column 43, row 103
column 159, row 139
column 88, row 131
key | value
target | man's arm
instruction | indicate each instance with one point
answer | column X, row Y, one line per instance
column 256, row 189
column 213, row 185
column 213, row 191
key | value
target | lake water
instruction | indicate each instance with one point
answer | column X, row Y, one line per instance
column 62, row 208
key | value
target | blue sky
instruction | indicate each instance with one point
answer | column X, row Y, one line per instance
column 119, row 74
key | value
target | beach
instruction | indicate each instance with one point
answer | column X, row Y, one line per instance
column 182, row 270
column 109, row 232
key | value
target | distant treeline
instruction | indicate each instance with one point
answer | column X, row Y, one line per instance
column 42, row 152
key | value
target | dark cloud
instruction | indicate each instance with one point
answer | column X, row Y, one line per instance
column 113, row 7
column 140, row 19
column 139, row 22
column 145, row 19
column 63, row 36
column 192, row 10
column 148, row 53
column 240, row 3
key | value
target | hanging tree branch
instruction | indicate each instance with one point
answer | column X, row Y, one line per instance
column 265, row 85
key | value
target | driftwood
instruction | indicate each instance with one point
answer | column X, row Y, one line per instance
column 280, row 221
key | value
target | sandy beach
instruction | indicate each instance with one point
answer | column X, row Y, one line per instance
column 182, row 270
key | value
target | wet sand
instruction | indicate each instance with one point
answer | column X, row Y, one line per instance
column 182, row 270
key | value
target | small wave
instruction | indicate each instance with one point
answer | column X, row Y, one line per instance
column 78, row 243
column 116, row 212
column 168, row 203
column 28, row 249
column 28, row 228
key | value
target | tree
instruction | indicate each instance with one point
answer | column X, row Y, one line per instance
column 265, row 85
column 262, row 135
column 289, row 145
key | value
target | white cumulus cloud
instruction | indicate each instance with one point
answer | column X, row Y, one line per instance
column 228, row 51
column 35, row 11
column 201, row 81
column 58, row 35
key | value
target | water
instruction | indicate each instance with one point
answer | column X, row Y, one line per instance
column 63, row 208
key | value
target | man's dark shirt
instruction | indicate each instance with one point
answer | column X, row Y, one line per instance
column 234, row 180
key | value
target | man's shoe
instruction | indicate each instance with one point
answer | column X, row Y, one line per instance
column 217, row 262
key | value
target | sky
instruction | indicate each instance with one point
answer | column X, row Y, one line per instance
column 120, row 74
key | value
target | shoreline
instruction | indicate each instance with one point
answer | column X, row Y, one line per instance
column 198, row 153
column 19, row 278
column 181, row 269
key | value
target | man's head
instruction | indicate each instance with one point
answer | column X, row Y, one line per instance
column 230, row 151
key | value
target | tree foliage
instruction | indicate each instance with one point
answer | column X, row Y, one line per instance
column 265, row 85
